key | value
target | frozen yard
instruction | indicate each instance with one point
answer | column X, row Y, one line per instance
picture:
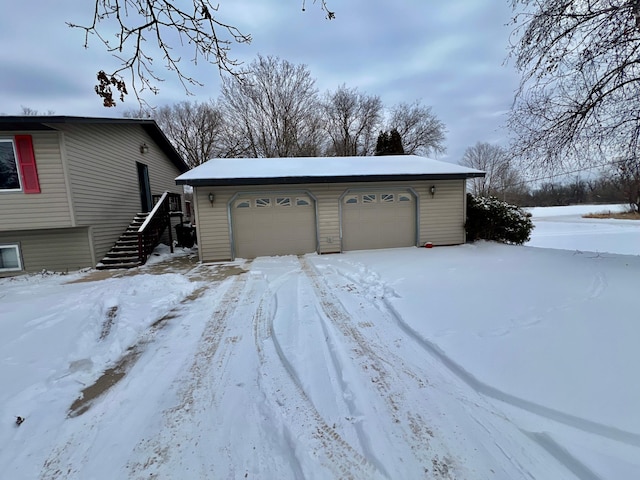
column 480, row 361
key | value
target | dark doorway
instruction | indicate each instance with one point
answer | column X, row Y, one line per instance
column 145, row 188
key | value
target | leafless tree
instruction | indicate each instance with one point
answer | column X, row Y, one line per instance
column 578, row 99
column 32, row 112
column 626, row 177
column 196, row 130
column 136, row 31
column 274, row 110
column 421, row 131
column 495, row 161
column 351, row 120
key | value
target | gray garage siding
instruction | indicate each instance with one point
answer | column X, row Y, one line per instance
column 441, row 217
column 104, row 179
column 49, row 208
column 58, row 250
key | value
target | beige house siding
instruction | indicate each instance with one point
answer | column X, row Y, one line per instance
column 50, row 207
column 101, row 160
column 440, row 217
column 57, row 250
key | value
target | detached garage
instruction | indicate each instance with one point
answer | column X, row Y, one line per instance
column 250, row 207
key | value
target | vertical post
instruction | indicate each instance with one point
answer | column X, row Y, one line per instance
column 142, row 256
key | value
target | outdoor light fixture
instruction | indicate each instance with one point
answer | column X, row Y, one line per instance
column 433, row 190
column 211, row 198
column 144, row 148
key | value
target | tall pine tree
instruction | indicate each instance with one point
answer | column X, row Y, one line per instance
column 389, row 143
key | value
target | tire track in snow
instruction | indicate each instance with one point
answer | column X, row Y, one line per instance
column 65, row 460
column 384, row 370
column 596, row 288
column 294, row 405
column 161, row 448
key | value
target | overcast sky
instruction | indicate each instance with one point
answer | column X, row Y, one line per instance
column 448, row 54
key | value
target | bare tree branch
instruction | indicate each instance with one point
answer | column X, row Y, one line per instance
column 132, row 30
column 351, row 121
column 578, row 99
column 273, row 112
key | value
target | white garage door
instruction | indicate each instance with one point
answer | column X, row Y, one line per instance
column 275, row 224
column 378, row 220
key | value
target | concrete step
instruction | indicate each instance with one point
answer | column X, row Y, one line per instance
column 114, row 266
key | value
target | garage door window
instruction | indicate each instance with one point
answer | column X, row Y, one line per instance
column 302, row 202
column 369, row 198
column 283, row 201
column 351, row 199
column 243, row 204
column 387, row 198
column 263, row 202
column 403, row 197
column 10, row 258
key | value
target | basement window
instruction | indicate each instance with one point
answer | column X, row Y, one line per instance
column 10, row 258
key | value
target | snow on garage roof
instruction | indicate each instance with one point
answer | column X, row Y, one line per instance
column 291, row 170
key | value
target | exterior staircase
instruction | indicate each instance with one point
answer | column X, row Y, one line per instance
column 124, row 254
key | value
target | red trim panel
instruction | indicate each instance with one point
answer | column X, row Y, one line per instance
column 27, row 162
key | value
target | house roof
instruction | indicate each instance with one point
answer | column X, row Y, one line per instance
column 48, row 122
column 297, row 170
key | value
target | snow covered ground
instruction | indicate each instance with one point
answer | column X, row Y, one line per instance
column 469, row 362
column 564, row 228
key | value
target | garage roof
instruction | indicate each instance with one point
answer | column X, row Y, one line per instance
column 297, row 170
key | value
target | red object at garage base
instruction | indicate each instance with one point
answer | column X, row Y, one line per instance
column 428, row 245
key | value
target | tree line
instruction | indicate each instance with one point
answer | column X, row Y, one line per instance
column 276, row 110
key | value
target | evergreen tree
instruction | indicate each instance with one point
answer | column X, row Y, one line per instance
column 389, row 143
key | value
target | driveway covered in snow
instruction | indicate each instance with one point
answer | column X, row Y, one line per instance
column 466, row 362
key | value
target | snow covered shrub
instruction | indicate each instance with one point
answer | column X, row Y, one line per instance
column 492, row 219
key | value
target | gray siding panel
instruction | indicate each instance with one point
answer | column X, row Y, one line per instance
column 58, row 250
column 104, row 179
column 50, row 207
column 440, row 217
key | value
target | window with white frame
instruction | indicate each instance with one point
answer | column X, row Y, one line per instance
column 9, row 174
column 263, row 202
column 387, row 197
column 302, row 202
column 351, row 199
column 243, row 204
column 369, row 198
column 10, row 258
column 404, row 197
column 283, row 201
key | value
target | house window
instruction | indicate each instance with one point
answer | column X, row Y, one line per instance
column 369, row 198
column 387, row 197
column 302, row 202
column 18, row 169
column 9, row 175
column 263, row 202
column 283, row 201
column 10, row 258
